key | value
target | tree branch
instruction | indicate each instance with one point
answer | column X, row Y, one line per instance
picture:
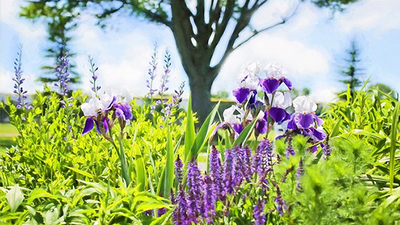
column 255, row 32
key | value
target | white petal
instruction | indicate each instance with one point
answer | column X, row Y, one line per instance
column 304, row 104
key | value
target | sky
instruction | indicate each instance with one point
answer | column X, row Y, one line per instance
column 311, row 46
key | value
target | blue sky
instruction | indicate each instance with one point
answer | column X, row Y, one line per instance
column 311, row 46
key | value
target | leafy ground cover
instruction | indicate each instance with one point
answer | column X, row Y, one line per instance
column 104, row 159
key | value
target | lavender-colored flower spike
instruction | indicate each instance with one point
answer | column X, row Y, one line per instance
column 216, row 172
column 178, row 170
column 258, row 213
column 263, row 158
column 165, row 77
column 195, row 189
column 62, row 73
column 179, row 214
column 93, row 70
column 18, row 89
column 210, row 198
column 152, row 72
column 299, row 173
column 228, row 171
column 279, row 202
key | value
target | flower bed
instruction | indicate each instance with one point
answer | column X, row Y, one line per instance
column 107, row 160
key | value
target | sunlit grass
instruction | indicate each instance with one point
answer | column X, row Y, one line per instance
column 7, row 129
column 7, row 133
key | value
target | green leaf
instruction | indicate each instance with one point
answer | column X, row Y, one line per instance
column 190, row 131
column 162, row 219
column 169, row 167
column 81, row 172
column 393, row 140
column 245, row 134
column 140, row 168
column 39, row 193
column 14, row 198
column 203, row 134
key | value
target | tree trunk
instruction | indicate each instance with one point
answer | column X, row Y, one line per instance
column 200, row 87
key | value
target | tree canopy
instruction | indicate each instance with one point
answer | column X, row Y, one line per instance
column 198, row 28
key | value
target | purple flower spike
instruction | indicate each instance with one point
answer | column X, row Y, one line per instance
column 194, row 183
column 228, row 170
column 216, row 171
column 270, row 85
column 210, row 198
column 241, row 94
column 258, row 213
column 178, row 170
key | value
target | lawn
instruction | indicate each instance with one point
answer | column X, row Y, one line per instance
column 7, row 134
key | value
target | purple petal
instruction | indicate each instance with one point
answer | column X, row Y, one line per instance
column 305, row 120
column 279, row 115
column 88, row 125
column 288, row 83
column 97, row 127
column 119, row 113
column 319, row 121
column 292, row 125
column 238, row 128
column 261, row 126
column 126, row 108
column 270, row 85
column 318, row 135
column 105, row 124
column 241, row 94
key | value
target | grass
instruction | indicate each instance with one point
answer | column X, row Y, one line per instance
column 7, row 129
column 7, row 134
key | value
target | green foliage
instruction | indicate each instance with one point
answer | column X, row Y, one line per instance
column 69, row 177
column 372, row 117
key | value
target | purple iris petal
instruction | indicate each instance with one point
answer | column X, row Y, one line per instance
column 119, row 113
column 305, row 120
column 270, row 85
column 318, row 135
column 261, row 126
column 238, row 128
column 279, row 115
column 123, row 111
column 88, row 125
column 253, row 95
column 288, row 83
column 127, row 111
column 111, row 104
column 105, row 124
column 319, row 121
column 241, row 94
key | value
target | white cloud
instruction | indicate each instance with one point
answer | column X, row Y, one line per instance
column 367, row 15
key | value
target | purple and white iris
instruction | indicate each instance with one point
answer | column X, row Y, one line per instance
column 98, row 109
column 248, row 81
column 280, row 102
column 275, row 76
column 305, row 121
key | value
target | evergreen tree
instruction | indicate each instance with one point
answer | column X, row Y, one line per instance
column 353, row 70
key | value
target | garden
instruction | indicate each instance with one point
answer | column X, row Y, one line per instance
column 105, row 159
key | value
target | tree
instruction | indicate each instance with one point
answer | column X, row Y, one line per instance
column 353, row 70
column 198, row 30
column 60, row 21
